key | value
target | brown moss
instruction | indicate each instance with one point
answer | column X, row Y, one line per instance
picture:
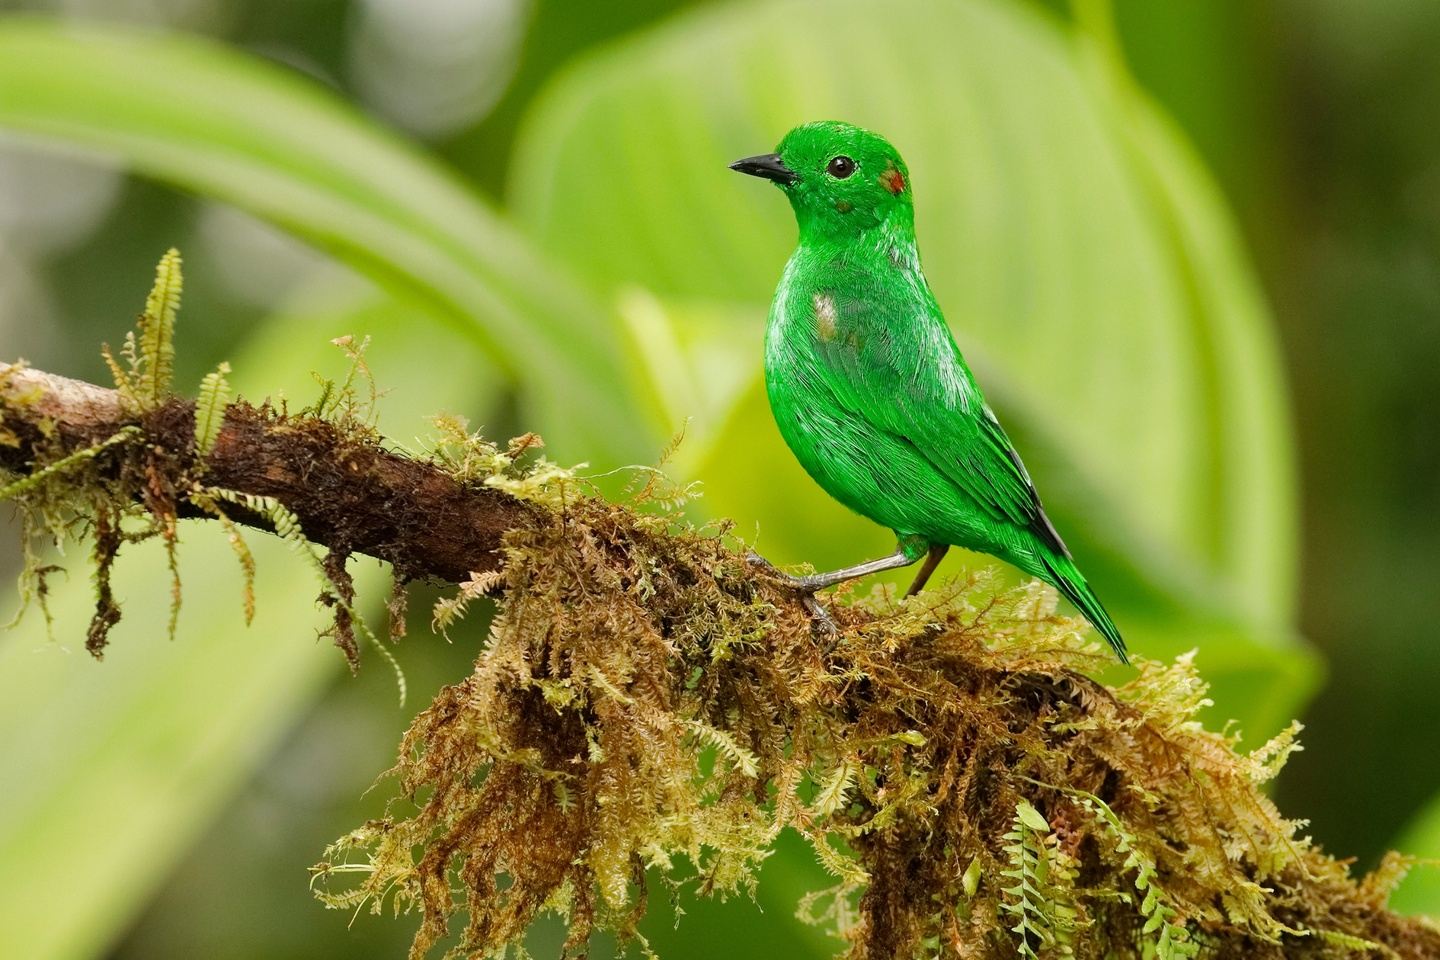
column 646, row 699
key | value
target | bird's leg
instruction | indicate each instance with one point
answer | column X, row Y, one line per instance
column 820, row 620
column 932, row 560
column 807, row 585
column 819, row 581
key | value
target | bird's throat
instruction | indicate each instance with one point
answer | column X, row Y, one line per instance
column 885, row 244
column 827, row 223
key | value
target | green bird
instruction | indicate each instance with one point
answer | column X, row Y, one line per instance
column 868, row 387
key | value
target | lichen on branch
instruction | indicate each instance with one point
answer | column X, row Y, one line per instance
column 650, row 705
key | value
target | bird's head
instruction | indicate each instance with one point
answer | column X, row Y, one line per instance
column 841, row 179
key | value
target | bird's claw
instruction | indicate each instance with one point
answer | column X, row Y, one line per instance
column 802, row 585
column 760, row 563
column 820, row 620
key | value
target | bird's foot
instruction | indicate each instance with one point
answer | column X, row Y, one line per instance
column 821, row 623
column 802, row 585
column 754, row 559
column 820, row 620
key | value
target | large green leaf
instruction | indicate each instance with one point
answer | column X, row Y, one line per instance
column 111, row 769
column 1085, row 260
column 233, row 126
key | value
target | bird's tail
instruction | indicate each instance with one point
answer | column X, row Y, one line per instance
column 1066, row 578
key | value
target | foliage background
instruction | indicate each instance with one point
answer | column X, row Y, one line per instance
column 549, row 238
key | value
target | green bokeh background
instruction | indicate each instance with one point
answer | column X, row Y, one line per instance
column 1193, row 250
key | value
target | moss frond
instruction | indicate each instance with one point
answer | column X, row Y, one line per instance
column 1041, row 897
column 206, row 501
column 210, row 403
column 448, row 610
column 155, row 332
column 123, row 383
column 338, row 589
column 354, row 401
column 149, row 350
column 1163, row 934
column 1356, row 945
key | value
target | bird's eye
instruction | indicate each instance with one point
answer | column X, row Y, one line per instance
column 840, row 167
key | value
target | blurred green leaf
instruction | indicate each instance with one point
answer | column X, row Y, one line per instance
column 112, row 769
column 238, row 128
column 1249, row 498
column 1420, row 892
column 1085, row 261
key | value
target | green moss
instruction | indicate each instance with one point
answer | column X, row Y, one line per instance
column 149, row 349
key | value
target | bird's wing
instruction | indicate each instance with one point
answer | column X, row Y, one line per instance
column 905, row 375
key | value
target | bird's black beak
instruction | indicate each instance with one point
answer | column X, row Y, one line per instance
column 767, row 165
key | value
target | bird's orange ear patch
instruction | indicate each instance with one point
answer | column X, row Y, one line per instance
column 893, row 180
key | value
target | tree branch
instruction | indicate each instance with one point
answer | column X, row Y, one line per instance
column 350, row 493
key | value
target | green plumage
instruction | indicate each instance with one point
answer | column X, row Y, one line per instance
column 865, row 380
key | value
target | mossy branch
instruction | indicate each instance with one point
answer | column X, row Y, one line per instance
column 349, row 492
column 650, row 703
